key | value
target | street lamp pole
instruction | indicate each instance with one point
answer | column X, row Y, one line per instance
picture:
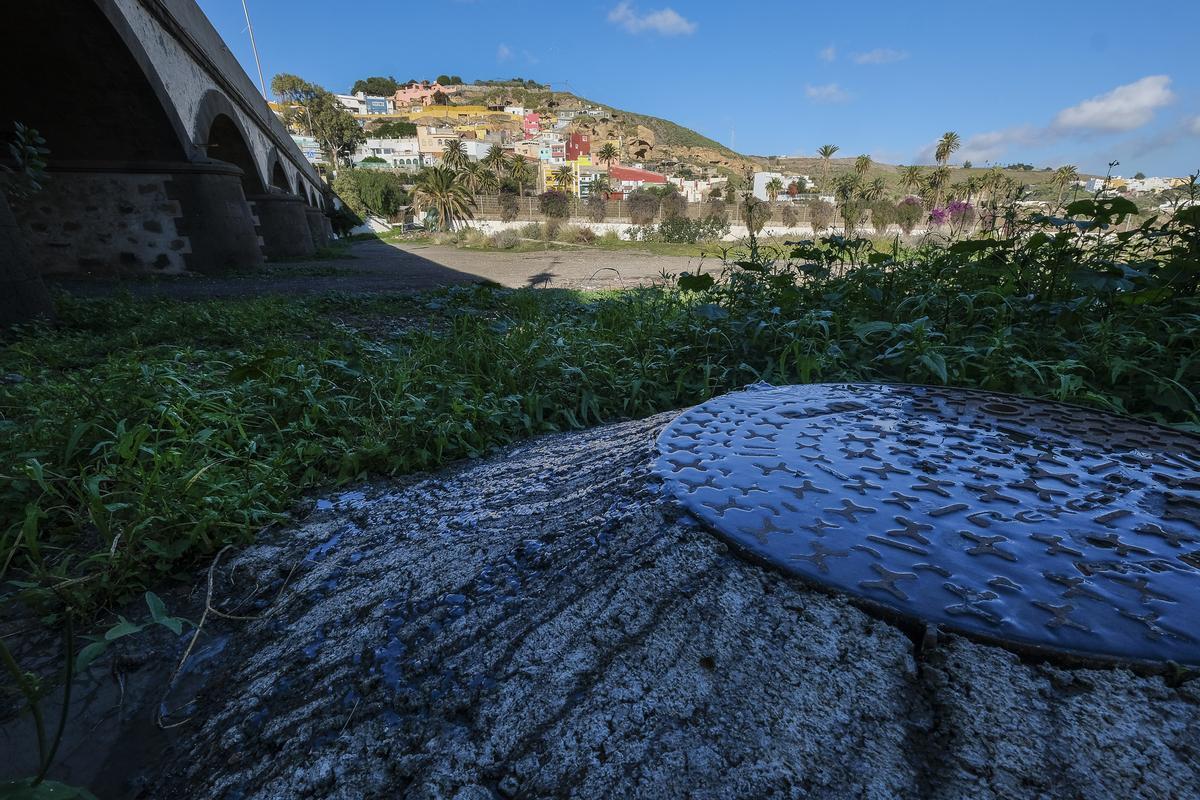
column 262, row 84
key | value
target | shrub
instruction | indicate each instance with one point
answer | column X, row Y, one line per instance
column 909, row 212
column 597, row 208
column 370, row 192
column 681, row 230
column 505, row 240
column 883, row 214
column 510, row 208
column 610, row 237
column 643, row 206
column 530, row 230
column 716, row 207
column 372, row 160
column 789, row 215
column 961, row 215
column 755, row 213
column 821, row 214
column 853, row 213
column 550, row 229
column 554, row 205
column 576, row 234
column 673, row 205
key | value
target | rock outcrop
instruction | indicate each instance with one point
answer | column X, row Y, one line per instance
column 543, row 623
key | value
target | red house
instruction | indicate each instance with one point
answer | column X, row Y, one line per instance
column 579, row 144
column 626, row 179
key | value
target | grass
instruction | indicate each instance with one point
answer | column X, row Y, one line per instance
column 142, row 435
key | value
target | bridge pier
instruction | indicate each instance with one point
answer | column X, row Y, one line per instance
column 159, row 217
column 318, row 227
column 283, row 225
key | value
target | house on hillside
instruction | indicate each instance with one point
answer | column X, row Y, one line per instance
column 421, row 93
column 362, row 103
column 578, row 144
column 624, row 180
column 402, row 153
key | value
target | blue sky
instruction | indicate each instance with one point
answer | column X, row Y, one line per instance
column 1040, row 82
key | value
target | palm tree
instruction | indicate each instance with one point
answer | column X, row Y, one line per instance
column 518, row 170
column 600, row 185
column 454, row 154
column 471, row 176
column 862, row 165
column 774, row 187
column 938, row 179
column 911, row 178
column 875, row 190
column 495, row 159
column 946, row 147
column 441, row 190
column 564, row 176
column 608, row 154
column 1064, row 176
column 826, row 152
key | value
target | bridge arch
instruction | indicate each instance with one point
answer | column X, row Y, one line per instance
column 279, row 176
column 218, row 130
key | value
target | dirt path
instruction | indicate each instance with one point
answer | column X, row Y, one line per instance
column 375, row 266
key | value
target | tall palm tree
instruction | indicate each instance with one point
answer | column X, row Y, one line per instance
column 946, row 147
column 441, row 190
column 518, row 170
column 564, row 176
column 1064, row 176
column 774, row 187
column 471, row 176
column 911, row 178
column 495, row 159
column 600, row 185
column 454, row 154
column 608, row 154
column 826, row 152
column 862, row 165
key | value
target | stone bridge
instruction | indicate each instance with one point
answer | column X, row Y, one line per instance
column 164, row 156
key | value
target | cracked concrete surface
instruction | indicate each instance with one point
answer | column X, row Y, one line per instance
column 542, row 623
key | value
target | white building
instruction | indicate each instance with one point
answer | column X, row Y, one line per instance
column 518, row 110
column 362, row 103
column 697, row 191
column 310, row 147
column 761, row 179
column 403, row 153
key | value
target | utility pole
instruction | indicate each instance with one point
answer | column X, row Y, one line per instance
column 261, row 83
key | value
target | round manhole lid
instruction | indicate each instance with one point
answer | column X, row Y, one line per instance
column 1034, row 523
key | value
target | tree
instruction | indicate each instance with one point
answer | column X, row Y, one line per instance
column 937, row 181
column 472, row 176
column 297, row 95
column 334, row 128
column 911, row 178
column 789, row 215
column 440, row 190
column 774, row 187
column 1141, row 176
column 826, row 152
column 862, row 165
column 393, row 129
column 875, row 190
column 370, row 192
column 908, row 212
column 946, row 147
column 518, row 171
column 496, row 160
column 608, row 154
column 673, row 204
column 643, row 206
column 564, row 178
column 510, row 208
column 554, row 205
column 382, row 87
column 883, row 214
column 440, row 98
column 1064, row 176
column 821, row 214
column 597, row 206
column 454, row 154
column 755, row 213
column 966, row 165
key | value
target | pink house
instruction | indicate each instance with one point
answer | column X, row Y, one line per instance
column 533, row 124
column 422, row 93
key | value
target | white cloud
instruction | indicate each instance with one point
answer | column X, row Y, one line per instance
column 828, row 54
column 1123, row 109
column 1193, row 126
column 826, row 93
column 666, row 21
column 880, row 55
column 503, row 52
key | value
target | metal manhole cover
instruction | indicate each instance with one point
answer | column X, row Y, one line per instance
column 1035, row 523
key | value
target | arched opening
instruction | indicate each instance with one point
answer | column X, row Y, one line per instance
column 75, row 71
column 279, row 178
column 226, row 143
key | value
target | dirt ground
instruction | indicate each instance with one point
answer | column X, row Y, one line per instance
column 374, row 266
